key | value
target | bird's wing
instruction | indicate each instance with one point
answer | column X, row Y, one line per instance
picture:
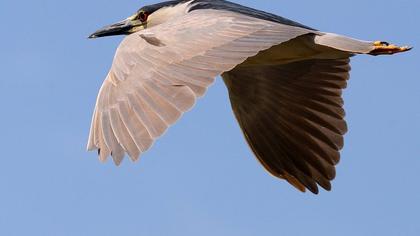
column 292, row 117
column 158, row 74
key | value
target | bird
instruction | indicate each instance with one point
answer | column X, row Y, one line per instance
column 285, row 82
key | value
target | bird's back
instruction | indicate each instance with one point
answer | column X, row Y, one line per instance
column 234, row 7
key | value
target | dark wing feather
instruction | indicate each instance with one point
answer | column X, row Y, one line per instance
column 292, row 117
column 224, row 5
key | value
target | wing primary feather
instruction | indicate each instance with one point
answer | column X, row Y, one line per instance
column 109, row 138
column 154, row 124
column 123, row 138
column 135, row 129
column 292, row 117
column 165, row 110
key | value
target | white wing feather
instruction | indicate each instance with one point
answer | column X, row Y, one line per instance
column 150, row 86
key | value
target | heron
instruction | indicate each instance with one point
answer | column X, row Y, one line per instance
column 284, row 79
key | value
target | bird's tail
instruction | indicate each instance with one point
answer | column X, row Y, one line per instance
column 356, row 46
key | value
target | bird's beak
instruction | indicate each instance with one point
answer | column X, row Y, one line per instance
column 124, row 27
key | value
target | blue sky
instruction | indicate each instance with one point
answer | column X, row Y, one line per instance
column 200, row 178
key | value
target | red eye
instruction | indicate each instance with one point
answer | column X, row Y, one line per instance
column 143, row 16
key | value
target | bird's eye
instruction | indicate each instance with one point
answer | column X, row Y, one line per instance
column 143, row 16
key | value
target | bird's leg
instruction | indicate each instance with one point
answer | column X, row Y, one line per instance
column 384, row 48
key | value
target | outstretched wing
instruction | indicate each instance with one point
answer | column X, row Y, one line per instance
column 292, row 117
column 158, row 74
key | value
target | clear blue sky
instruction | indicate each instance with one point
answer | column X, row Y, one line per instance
column 201, row 178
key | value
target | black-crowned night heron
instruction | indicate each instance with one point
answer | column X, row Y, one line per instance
column 285, row 82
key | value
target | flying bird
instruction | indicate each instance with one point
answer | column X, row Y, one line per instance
column 285, row 82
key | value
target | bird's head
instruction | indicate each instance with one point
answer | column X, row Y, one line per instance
column 147, row 16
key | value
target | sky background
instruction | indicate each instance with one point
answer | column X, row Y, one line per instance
column 201, row 178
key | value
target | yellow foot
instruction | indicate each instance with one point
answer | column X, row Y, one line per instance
column 384, row 48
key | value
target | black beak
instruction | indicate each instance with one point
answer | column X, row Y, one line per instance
column 120, row 28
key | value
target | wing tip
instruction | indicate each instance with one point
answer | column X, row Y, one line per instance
column 91, row 147
column 118, row 160
column 313, row 188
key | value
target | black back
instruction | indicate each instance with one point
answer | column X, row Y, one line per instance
column 234, row 7
column 227, row 6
